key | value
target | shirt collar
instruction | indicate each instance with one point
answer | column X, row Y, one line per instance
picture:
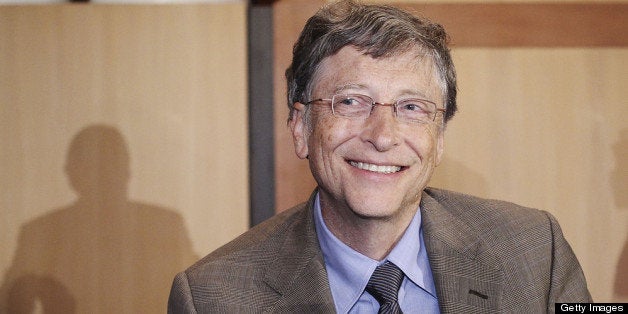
column 410, row 255
column 349, row 271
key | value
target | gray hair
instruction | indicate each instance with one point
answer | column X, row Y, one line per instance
column 378, row 31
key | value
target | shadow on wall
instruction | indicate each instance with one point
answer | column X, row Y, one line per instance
column 104, row 253
column 619, row 183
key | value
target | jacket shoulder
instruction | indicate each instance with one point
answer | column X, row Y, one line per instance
column 499, row 228
column 263, row 269
column 525, row 245
column 486, row 213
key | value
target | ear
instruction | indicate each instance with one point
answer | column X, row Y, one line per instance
column 299, row 130
column 440, row 146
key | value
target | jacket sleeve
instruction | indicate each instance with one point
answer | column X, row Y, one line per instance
column 567, row 281
column 180, row 300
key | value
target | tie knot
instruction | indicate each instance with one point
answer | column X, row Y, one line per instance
column 384, row 284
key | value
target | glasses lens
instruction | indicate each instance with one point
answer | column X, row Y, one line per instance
column 353, row 106
column 416, row 110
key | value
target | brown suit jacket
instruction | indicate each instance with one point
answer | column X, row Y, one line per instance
column 486, row 256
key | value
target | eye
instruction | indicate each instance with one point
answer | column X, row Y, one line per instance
column 350, row 101
column 412, row 106
column 351, row 105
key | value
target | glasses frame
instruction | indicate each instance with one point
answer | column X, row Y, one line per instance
column 394, row 105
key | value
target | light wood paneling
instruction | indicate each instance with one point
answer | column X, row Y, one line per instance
column 124, row 150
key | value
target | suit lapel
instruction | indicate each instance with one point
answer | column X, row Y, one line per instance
column 465, row 279
column 298, row 274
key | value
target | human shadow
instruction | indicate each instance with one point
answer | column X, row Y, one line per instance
column 619, row 182
column 104, row 253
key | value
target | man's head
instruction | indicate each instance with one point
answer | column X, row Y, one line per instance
column 368, row 89
column 375, row 30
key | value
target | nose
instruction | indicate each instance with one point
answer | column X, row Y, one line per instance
column 381, row 128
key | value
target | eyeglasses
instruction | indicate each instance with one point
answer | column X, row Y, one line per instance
column 356, row 106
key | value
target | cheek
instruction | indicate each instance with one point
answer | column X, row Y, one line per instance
column 325, row 133
column 425, row 144
column 329, row 133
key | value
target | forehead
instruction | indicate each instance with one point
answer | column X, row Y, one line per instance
column 405, row 72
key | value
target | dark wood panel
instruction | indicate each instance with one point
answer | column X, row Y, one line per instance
column 531, row 25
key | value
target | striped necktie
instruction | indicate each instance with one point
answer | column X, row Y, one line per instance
column 384, row 287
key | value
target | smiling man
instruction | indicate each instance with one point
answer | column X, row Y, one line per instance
column 370, row 90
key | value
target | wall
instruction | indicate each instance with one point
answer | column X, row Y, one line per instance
column 542, row 118
column 124, row 150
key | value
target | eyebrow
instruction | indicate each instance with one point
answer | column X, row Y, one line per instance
column 413, row 93
column 342, row 88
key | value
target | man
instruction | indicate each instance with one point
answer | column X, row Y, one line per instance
column 370, row 89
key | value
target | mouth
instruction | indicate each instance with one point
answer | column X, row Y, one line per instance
column 386, row 169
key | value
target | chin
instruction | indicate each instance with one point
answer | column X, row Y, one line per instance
column 373, row 211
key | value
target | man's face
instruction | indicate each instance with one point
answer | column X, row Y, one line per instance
column 373, row 168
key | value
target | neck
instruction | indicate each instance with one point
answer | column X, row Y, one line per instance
column 374, row 237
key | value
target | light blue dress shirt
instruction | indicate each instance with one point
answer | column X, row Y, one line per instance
column 349, row 271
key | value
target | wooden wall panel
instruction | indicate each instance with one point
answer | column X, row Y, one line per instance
column 541, row 127
column 541, row 24
column 292, row 176
column 542, row 118
column 124, row 150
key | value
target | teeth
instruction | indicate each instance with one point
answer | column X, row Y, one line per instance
column 375, row 168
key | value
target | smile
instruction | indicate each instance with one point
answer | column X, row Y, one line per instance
column 375, row 168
